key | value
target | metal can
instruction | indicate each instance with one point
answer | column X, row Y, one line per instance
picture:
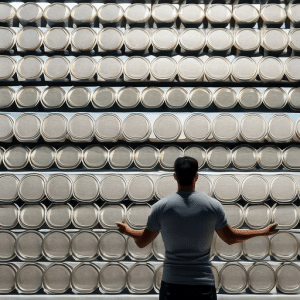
column 7, row 247
column 110, row 39
column 56, row 68
column 204, row 185
column 83, row 14
column 83, row 39
column 28, row 97
column 164, row 40
column 225, row 128
column 227, row 188
column 137, row 215
column 164, row 68
column 216, row 277
column 27, row 128
column 257, row 216
column 56, row 39
column 253, row 128
column 8, row 280
column 68, row 157
column 54, row 128
column 59, row 188
column 294, row 40
column 57, row 14
column 86, row 188
column 30, row 67
column 293, row 98
column 81, row 128
column 244, row 69
column 200, row 97
column 281, row 128
column 137, row 14
column 159, row 247
column 255, row 189
column 217, row 14
column 286, row 215
column 292, row 13
column 270, row 69
column 244, row 157
column 164, row 14
column 218, row 157
column 94, row 157
column 8, row 14
column 191, row 14
column 269, row 157
column 291, row 157
column 108, row 127
column 168, row 155
column 165, row 185
column 274, row 40
column 141, row 188
column 16, row 157
column 110, row 68
column 274, row 98
column 9, row 214
column 246, row 40
column 29, row 39
column 113, row 188
column 284, row 189
column 120, row 157
column 30, row 13
column 137, row 40
column 190, row 69
column 7, row 96
column 53, row 97
column 256, row 248
column 219, row 40
column 8, row 188
column 152, row 97
column 59, row 216
column 42, row 157
column 9, row 67
column 146, row 157
column 249, row 98
column 272, row 14
column 83, row 68
column 245, row 14
column 85, row 216
column 234, row 214
column 8, row 38
column 192, row 40
column 128, row 97
column 217, row 68
column 287, row 278
column 291, row 69
column 7, row 128
column 136, row 253
column 227, row 252
column 111, row 213
column 103, row 98
column 32, row 216
column 78, row 97
column 225, row 98
column 110, row 14
column 197, row 152
column 136, row 68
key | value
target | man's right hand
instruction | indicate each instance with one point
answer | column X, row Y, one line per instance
column 271, row 229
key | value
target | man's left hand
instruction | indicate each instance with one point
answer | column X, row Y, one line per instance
column 123, row 227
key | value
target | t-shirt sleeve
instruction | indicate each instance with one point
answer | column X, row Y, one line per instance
column 221, row 217
column 153, row 223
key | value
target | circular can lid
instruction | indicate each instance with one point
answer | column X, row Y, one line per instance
column 159, row 247
column 8, row 38
column 32, row 187
column 140, row 277
column 274, row 98
column 32, row 216
column 59, row 216
column 245, row 13
column 257, row 216
column 29, row 278
column 256, row 248
column 110, row 13
column 168, row 155
column 30, row 67
column 7, row 126
column 294, row 35
column 128, row 97
column 57, row 12
column 216, row 277
column 293, row 12
column 111, row 213
column 112, row 245
column 196, row 152
column 8, row 12
column 272, row 13
column 29, row 38
column 244, row 157
column 57, row 38
column 83, row 12
column 269, row 157
column 8, row 187
column 200, row 97
column 227, row 188
column 284, row 189
column 192, row 39
column 27, row 127
column 84, row 38
column 291, row 157
column 29, row 245
column 286, row 215
column 78, row 97
column 7, row 96
column 217, row 68
column 59, row 188
column 164, row 68
column 54, row 127
column 167, row 127
column 219, row 39
column 234, row 278
column 152, row 97
column 244, row 69
column 53, row 97
column 292, row 66
column 275, row 39
column 190, row 68
column 113, row 188
column 136, row 253
column 270, row 68
column 16, row 157
column 164, row 13
column 42, row 157
column 57, row 278
column 255, row 188
column 191, row 13
column 294, row 98
column 204, row 185
column 146, row 157
column 141, row 188
column 57, row 67
column 83, row 67
column 165, row 185
column 94, row 157
column 8, row 280
column 281, row 128
column 84, row 245
column 85, row 216
column 137, row 13
column 218, row 13
column 218, row 157
column 249, row 98
column 8, row 67
column 137, row 39
column 164, row 39
column 137, row 68
column 86, row 188
column 225, row 98
column 81, row 127
column 29, row 12
column 225, row 252
column 225, row 127
column 56, row 245
column 253, row 127
column 108, row 127
column 234, row 214
column 7, row 247
column 113, row 277
column 110, row 39
column 68, row 157
column 9, row 214
column 120, row 157
column 110, row 68
column 28, row 97
column 103, row 97
column 287, row 277
column 247, row 39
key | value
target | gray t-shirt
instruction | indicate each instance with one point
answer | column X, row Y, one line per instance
column 187, row 220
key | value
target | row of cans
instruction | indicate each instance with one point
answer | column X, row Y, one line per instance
column 70, row 14
column 140, row 188
column 155, row 127
column 148, row 157
column 150, row 68
column 54, row 97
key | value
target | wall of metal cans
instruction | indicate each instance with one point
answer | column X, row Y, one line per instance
column 97, row 101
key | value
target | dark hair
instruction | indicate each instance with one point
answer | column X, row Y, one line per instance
column 186, row 168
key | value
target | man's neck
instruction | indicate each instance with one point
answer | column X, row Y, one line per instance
column 186, row 188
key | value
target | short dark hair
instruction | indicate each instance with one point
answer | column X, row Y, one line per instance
column 186, row 168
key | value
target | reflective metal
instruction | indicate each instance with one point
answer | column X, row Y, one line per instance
column 28, row 97
column 32, row 216
column 16, row 157
column 42, row 157
column 59, row 188
column 68, row 157
column 59, row 216
column 146, row 157
column 258, row 216
column 167, row 127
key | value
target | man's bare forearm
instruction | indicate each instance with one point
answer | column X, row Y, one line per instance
column 134, row 233
column 240, row 235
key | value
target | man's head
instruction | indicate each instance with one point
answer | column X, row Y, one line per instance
column 186, row 170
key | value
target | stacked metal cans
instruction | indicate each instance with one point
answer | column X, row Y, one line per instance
column 97, row 100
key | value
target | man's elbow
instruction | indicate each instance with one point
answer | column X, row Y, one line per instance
column 231, row 241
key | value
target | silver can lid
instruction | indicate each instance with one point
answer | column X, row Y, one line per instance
column 258, row 216
column 128, row 97
column 255, row 189
column 28, row 97
column 272, row 13
column 113, row 188
column 29, row 278
column 219, row 39
column 152, row 97
column 256, row 248
column 269, row 157
column 140, row 277
column 217, row 68
column 86, row 188
column 234, row 214
column 244, row 69
column 197, row 152
column 8, row 187
column 137, row 13
column 288, row 277
column 57, row 13
column 29, row 12
column 53, row 97
column 83, row 38
column 167, row 127
column 42, row 157
column 191, row 13
column 294, row 35
column 159, row 247
column 111, row 213
column 141, row 188
column 8, row 12
column 164, row 68
column 108, row 127
column 85, row 216
column 120, row 157
column 112, row 245
column 110, row 39
column 245, row 13
column 59, row 188
column 274, row 39
column 253, row 127
column 293, row 13
column 8, row 277
column 146, row 157
column 249, row 98
column 83, row 67
column 274, row 98
column 103, row 97
column 59, row 216
column 54, row 127
column 7, row 126
column 7, row 246
column 84, row 245
column 27, row 127
column 164, row 39
column 165, row 185
column 281, row 128
column 293, row 98
column 227, row 252
column 94, row 157
column 204, row 185
column 200, row 97
column 216, row 277
column 227, row 188
column 270, row 69
column 81, row 127
column 78, row 97
column 286, row 215
column 164, row 13
column 9, row 214
column 29, row 38
column 218, row 157
column 7, row 96
column 168, row 155
column 247, row 39
column 225, row 127
column 8, row 67
column 8, row 38
column 291, row 156
column 29, row 245
column 136, row 253
column 225, row 98
column 57, row 67
column 30, row 67
column 56, row 246
column 244, row 157
column 110, row 68
column 292, row 65
column 137, row 39
column 83, row 13
column 190, row 69
column 284, row 189
column 137, row 68
column 32, row 216
column 218, row 13
column 32, row 187
column 16, row 157
column 192, row 39
column 110, row 13
column 57, row 38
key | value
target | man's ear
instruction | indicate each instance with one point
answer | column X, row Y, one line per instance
column 175, row 176
column 196, row 177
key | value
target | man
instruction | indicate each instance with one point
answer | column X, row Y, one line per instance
column 187, row 220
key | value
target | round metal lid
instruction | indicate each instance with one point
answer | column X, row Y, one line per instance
column 159, row 247
column 32, row 187
column 103, row 97
column 218, row 13
column 137, row 39
column 269, row 157
column 113, row 188
column 29, row 12
column 270, row 68
column 204, row 185
column 168, row 155
column 167, row 127
column 225, row 98
column 8, row 187
column 152, row 97
column 164, row 13
column 192, row 39
column 32, row 216
column 8, row 277
column 108, row 127
column 16, row 157
column 141, row 188
column 8, row 38
column 30, row 67
column 281, row 128
column 244, row 69
column 85, row 216
column 84, row 38
column 83, row 67
column 216, row 277
column 81, row 127
column 8, row 67
column 57, row 38
column 274, row 98
column 84, row 245
column 176, row 97
column 164, row 68
column 291, row 156
column 56, row 246
column 245, row 13
column 218, row 157
column 286, row 215
column 59, row 216
column 111, row 213
column 284, row 189
column 146, row 157
column 28, row 97
column 292, row 65
column 112, row 245
column 164, row 39
column 247, row 39
column 219, row 39
column 190, row 68
column 227, row 188
column 110, row 68
column 196, row 152
column 191, row 13
column 257, row 216
column 68, row 157
column 227, row 252
column 234, row 278
column 95, row 157
column 234, row 214
column 225, row 127
column 42, row 156
column 53, row 97
column 120, row 157
column 59, row 188
column 294, row 35
column 287, row 277
column 165, row 185
column 27, row 127
column 217, row 68
column 293, row 12
column 86, row 188
column 110, row 39
column 255, row 189
column 244, row 157
column 7, row 246
column 29, row 278
column 57, row 12
column 136, row 253
column 9, row 214
column 7, row 96
column 200, row 97
column 7, row 125
column 140, row 277
column 256, row 248
column 29, row 38
column 84, row 13
column 137, row 68
column 57, row 67
column 110, row 13
column 272, row 13
column 137, row 13
column 293, row 98
column 253, row 127
column 54, row 127
column 275, row 39
column 249, row 98
column 29, row 245
column 8, row 12
column 128, row 97
column 78, row 97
